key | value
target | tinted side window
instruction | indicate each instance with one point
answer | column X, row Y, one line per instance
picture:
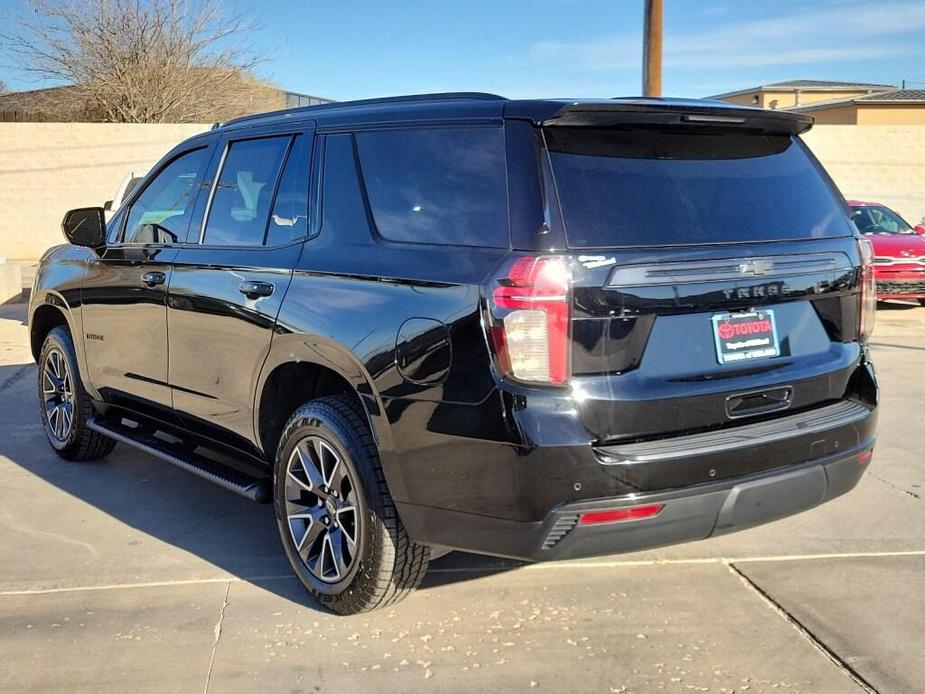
column 289, row 220
column 161, row 214
column 440, row 185
column 241, row 201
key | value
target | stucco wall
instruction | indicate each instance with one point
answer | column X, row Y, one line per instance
column 49, row 168
column 891, row 114
column 842, row 115
column 882, row 163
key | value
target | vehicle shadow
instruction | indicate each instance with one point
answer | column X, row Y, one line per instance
column 201, row 519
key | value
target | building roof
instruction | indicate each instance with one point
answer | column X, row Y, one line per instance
column 893, row 96
column 809, row 85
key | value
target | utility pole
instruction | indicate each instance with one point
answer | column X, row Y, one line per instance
column 652, row 49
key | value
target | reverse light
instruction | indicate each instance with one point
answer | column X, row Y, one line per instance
column 868, row 309
column 621, row 515
column 530, row 320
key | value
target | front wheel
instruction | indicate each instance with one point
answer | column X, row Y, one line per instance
column 65, row 406
column 922, row 302
column 336, row 518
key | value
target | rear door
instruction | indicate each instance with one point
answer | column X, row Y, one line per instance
column 714, row 276
column 226, row 289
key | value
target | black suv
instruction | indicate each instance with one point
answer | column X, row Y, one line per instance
column 535, row 329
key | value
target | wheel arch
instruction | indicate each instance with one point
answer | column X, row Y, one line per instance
column 45, row 318
column 298, row 370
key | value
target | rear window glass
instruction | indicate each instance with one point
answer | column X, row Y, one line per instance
column 622, row 187
column 440, row 185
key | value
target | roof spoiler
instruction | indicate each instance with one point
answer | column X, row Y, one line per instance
column 604, row 115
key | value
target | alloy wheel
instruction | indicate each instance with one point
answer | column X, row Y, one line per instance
column 322, row 509
column 58, row 395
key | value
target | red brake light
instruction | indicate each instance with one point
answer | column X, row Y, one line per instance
column 530, row 320
column 620, row 515
column 868, row 309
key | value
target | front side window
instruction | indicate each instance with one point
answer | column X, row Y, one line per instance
column 876, row 219
column 241, row 201
column 438, row 185
column 162, row 212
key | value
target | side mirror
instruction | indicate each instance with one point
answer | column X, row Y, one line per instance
column 920, row 229
column 107, row 205
column 85, row 226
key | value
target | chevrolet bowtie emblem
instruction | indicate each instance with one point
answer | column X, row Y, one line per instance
column 755, row 267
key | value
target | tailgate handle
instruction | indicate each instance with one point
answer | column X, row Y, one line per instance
column 759, row 402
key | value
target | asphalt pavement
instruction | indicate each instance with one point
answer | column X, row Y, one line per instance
column 128, row 574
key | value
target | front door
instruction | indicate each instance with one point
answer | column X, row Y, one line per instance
column 225, row 292
column 124, row 296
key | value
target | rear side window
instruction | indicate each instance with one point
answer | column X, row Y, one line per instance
column 439, row 185
column 289, row 220
column 240, row 207
column 662, row 187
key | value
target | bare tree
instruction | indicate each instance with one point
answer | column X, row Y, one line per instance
column 140, row 61
column 2, row 87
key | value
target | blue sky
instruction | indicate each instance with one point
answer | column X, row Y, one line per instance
column 346, row 49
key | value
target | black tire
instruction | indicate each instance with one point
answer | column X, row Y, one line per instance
column 922, row 302
column 78, row 442
column 386, row 565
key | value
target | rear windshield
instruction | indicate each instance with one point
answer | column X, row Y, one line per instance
column 642, row 187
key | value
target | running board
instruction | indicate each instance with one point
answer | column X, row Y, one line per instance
column 258, row 490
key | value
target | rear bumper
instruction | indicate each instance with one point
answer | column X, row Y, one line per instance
column 689, row 514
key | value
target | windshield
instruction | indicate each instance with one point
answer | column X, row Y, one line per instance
column 635, row 187
column 877, row 219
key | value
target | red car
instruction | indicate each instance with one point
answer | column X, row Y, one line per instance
column 899, row 250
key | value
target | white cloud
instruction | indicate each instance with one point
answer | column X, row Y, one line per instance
column 835, row 34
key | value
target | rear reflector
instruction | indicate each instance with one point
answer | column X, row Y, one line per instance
column 865, row 457
column 619, row 515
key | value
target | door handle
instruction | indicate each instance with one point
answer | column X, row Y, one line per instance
column 255, row 290
column 152, row 279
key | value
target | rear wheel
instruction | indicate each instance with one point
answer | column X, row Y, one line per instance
column 336, row 518
column 922, row 302
column 65, row 406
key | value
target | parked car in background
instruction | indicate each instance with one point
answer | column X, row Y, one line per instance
column 899, row 250
column 125, row 189
column 538, row 329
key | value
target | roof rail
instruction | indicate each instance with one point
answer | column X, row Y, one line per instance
column 335, row 105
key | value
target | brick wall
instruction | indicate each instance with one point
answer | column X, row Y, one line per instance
column 882, row 163
column 49, row 168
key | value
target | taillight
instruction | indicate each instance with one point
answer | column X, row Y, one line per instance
column 868, row 310
column 530, row 319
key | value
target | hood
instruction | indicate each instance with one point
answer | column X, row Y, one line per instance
column 893, row 245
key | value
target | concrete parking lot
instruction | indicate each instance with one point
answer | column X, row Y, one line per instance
column 128, row 574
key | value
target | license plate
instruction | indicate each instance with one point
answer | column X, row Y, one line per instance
column 745, row 336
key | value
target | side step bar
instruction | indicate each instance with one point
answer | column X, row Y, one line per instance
column 258, row 490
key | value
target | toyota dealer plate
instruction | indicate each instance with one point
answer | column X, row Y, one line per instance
column 745, row 336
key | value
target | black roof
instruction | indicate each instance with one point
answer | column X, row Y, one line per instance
column 482, row 106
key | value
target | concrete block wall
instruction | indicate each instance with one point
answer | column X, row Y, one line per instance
column 49, row 168
column 881, row 163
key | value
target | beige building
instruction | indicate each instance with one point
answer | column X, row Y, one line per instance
column 785, row 95
column 837, row 103
column 895, row 107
